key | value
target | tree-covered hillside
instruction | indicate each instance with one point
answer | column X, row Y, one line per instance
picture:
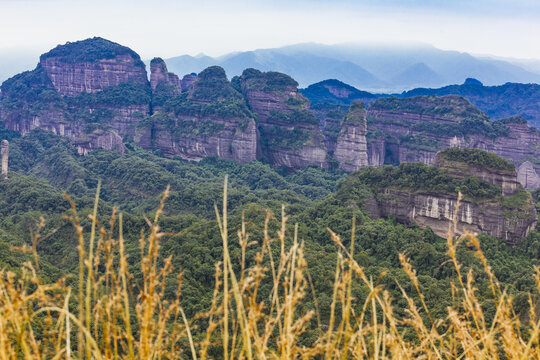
column 43, row 166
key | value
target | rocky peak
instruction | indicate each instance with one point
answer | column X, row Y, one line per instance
column 187, row 81
column 212, row 85
column 351, row 149
column 160, row 75
column 292, row 134
column 89, row 66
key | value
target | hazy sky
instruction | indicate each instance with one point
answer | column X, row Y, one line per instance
column 509, row 28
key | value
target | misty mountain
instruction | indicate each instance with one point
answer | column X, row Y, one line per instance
column 380, row 68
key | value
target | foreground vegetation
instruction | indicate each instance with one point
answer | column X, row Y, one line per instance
column 258, row 307
column 43, row 166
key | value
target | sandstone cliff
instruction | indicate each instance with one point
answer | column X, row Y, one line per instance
column 351, row 149
column 414, row 129
column 211, row 119
column 93, row 91
column 494, row 202
column 160, row 75
column 290, row 134
column 91, row 65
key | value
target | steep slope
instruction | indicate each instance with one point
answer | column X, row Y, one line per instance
column 414, row 129
column 211, row 119
column 351, row 150
column 89, row 66
column 494, row 203
column 290, row 134
column 93, row 91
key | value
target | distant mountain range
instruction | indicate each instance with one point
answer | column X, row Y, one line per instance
column 369, row 67
column 498, row 102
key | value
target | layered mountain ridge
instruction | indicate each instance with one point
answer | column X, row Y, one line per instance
column 97, row 93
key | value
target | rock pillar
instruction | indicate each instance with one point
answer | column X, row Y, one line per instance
column 5, row 154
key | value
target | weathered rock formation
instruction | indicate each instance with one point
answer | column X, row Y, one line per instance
column 290, row 134
column 89, row 66
column 187, row 81
column 494, row 202
column 351, row 150
column 5, row 159
column 527, row 176
column 160, row 75
column 437, row 211
column 414, row 129
column 211, row 119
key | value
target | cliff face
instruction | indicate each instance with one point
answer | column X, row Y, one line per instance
column 527, row 176
column 160, row 75
column 493, row 201
column 92, row 91
column 414, row 129
column 90, row 66
column 438, row 210
column 211, row 119
column 290, row 134
column 351, row 149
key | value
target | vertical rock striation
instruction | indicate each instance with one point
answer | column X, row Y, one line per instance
column 210, row 119
column 351, row 149
column 160, row 75
column 414, row 129
column 290, row 134
column 91, row 65
column 5, row 159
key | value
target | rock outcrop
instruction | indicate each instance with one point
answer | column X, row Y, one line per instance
column 187, row 81
column 437, row 211
column 527, row 176
column 211, row 119
column 93, row 92
column 160, row 75
column 290, row 134
column 351, row 149
column 91, row 65
column 494, row 202
column 414, row 129
column 5, row 159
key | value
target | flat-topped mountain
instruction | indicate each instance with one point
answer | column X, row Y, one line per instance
column 91, row 65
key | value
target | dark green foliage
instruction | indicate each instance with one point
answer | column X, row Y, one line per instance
column 124, row 94
column 519, row 200
column 450, row 107
column 420, row 177
column 43, row 165
column 294, row 117
column 357, row 112
column 252, row 79
column 30, row 90
column 90, row 50
column 477, row 157
column 276, row 137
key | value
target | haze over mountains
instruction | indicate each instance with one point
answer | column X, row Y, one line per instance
column 379, row 68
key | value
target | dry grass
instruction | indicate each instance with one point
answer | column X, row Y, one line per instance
column 37, row 321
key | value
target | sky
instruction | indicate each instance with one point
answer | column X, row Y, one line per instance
column 174, row 27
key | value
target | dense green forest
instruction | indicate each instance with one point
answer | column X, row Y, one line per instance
column 44, row 166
